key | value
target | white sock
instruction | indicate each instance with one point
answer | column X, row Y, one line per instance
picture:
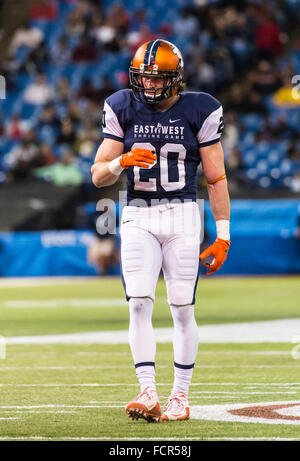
column 142, row 340
column 185, row 345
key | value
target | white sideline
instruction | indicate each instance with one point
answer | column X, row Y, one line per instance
column 273, row 331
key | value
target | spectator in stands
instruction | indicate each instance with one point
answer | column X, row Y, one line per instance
column 61, row 53
column 138, row 19
column 16, row 128
column 39, row 92
column 186, row 25
column 49, row 117
column 36, row 59
column 88, row 136
column 91, row 112
column 44, row 10
column 107, row 36
column 105, row 90
column 23, row 158
column 74, row 112
column 87, row 90
column 119, row 18
column 205, row 76
column 265, row 79
column 62, row 173
column 67, row 134
column 89, row 131
column 244, row 99
column 47, row 155
column 63, row 91
column 85, row 51
column 76, row 25
column 26, row 35
column 269, row 38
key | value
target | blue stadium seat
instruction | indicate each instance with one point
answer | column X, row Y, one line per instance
column 252, row 122
column 47, row 134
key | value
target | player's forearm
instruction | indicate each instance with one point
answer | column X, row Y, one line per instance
column 102, row 174
column 219, row 200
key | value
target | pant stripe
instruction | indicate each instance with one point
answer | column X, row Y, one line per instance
column 145, row 364
column 184, row 367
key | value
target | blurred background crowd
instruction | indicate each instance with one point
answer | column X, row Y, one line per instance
column 66, row 57
column 61, row 59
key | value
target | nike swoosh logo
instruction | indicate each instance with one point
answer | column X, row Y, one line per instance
column 173, row 121
column 128, row 220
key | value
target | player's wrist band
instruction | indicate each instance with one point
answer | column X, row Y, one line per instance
column 222, row 226
column 115, row 167
column 218, row 179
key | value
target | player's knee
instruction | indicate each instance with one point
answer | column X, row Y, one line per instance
column 180, row 294
column 138, row 303
column 140, row 311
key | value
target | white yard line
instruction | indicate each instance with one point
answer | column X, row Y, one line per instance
column 285, row 390
column 273, row 331
column 9, row 417
column 33, row 407
column 284, row 385
column 113, row 367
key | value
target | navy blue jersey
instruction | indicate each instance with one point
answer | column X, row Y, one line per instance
column 175, row 135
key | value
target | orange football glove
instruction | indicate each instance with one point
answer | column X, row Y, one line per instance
column 138, row 157
column 219, row 250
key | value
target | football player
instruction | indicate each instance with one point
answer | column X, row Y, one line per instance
column 159, row 134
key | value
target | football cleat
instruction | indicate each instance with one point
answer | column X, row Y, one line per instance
column 156, row 58
column 145, row 405
column 177, row 408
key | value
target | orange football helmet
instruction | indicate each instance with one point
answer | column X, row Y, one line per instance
column 158, row 58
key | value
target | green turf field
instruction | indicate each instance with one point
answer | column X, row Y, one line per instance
column 74, row 391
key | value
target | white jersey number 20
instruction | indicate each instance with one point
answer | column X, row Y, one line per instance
column 151, row 184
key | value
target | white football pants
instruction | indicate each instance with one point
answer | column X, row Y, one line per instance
column 163, row 237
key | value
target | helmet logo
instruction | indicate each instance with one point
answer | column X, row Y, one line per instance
column 177, row 52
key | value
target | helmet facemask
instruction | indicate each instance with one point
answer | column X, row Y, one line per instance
column 172, row 82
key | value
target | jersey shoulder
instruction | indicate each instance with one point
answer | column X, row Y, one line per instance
column 120, row 99
column 205, row 115
column 116, row 114
column 202, row 102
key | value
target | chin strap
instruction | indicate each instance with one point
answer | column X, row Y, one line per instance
column 218, row 179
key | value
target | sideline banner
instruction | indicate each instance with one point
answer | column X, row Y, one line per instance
column 264, row 241
column 48, row 253
column 265, row 237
